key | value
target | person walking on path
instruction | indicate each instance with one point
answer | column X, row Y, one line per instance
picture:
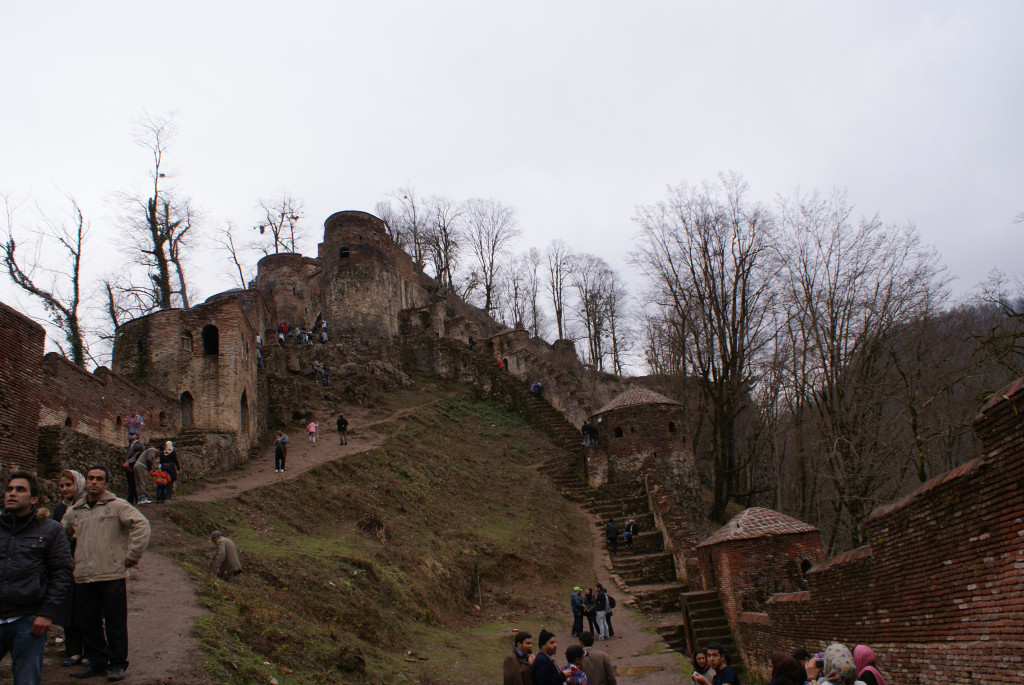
column 226, row 563
column 611, row 531
column 342, row 430
column 110, row 537
column 148, row 461
column 517, row 665
column 544, row 671
column 35, row 567
column 280, row 452
column 576, row 605
column 311, row 430
column 597, row 665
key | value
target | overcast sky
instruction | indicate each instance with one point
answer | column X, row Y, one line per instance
column 571, row 112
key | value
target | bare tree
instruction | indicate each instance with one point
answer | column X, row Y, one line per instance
column 61, row 293
column 707, row 252
column 490, row 228
column 443, row 238
column 535, row 312
column 226, row 241
column 280, row 222
column 619, row 331
column 591, row 277
column 409, row 221
column 515, row 286
column 385, row 211
column 158, row 228
column 559, row 258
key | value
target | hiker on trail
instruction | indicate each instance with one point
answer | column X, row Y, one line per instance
column 518, row 663
column 602, row 613
column 590, row 609
column 342, row 430
column 597, row 665
column 574, row 658
column 311, row 430
column 169, row 465
column 611, row 531
column 500, row 364
column 36, row 577
column 719, row 660
column 148, row 461
column 544, row 671
column 110, row 537
column 259, row 358
column 701, row 664
column 72, row 486
column 576, row 604
column 280, row 451
column 225, row 562
column 629, row 532
column 131, row 457
column 609, row 602
column 134, row 424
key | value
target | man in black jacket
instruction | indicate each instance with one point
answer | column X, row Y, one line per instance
column 35, row 574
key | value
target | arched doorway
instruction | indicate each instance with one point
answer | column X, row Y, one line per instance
column 186, row 409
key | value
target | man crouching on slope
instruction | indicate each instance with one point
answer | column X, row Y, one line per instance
column 111, row 536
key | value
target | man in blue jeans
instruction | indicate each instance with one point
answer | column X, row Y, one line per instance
column 35, row 565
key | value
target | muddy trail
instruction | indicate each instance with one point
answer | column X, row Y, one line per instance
column 162, row 605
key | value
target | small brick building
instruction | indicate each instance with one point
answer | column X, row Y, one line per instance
column 758, row 553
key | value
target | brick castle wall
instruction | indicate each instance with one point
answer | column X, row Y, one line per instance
column 938, row 592
column 21, row 353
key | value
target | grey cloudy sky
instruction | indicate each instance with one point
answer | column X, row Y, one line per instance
column 572, row 112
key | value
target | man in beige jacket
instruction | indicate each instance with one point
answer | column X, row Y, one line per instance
column 226, row 563
column 110, row 537
column 596, row 665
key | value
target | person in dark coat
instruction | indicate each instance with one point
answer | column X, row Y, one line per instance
column 169, row 465
column 611, row 531
column 518, row 663
column 544, row 671
column 786, row 670
column 36, row 572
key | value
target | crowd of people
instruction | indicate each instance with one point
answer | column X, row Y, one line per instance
column 584, row 665
column 148, row 469
column 596, row 607
column 835, row 666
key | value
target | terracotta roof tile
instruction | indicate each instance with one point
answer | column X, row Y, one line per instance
column 757, row 522
column 635, row 397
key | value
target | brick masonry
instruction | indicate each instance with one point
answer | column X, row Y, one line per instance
column 21, row 355
column 938, row 591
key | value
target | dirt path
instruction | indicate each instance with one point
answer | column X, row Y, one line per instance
column 162, row 607
column 639, row 655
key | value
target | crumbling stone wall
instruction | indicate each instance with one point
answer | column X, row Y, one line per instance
column 938, row 591
column 97, row 404
column 21, row 353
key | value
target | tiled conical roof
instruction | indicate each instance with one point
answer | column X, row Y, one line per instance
column 634, row 397
column 757, row 522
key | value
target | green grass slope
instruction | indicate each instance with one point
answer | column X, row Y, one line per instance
column 437, row 543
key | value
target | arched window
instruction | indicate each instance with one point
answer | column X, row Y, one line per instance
column 671, row 427
column 163, row 418
column 805, row 567
column 186, row 341
column 186, row 409
column 344, row 252
column 618, row 432
column 211, row 340
column 245, row 413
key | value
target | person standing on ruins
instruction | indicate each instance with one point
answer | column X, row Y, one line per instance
column 134, row 423
column 342, row 430
column 36, row 573
column 110, row 537
column 280, row 451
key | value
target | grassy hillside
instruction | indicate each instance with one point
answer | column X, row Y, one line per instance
column 437, row 543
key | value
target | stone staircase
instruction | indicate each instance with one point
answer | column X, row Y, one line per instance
column 707, row 619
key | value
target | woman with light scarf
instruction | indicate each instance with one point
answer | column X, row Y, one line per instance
column 72, row 487
column 838, row 668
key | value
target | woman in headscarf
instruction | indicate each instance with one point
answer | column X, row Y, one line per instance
column 864, row 661
column 72, row 487
column 813, row 667
column 786, row 670
column 838, row 668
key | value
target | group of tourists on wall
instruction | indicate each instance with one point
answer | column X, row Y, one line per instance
column 302, row 336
